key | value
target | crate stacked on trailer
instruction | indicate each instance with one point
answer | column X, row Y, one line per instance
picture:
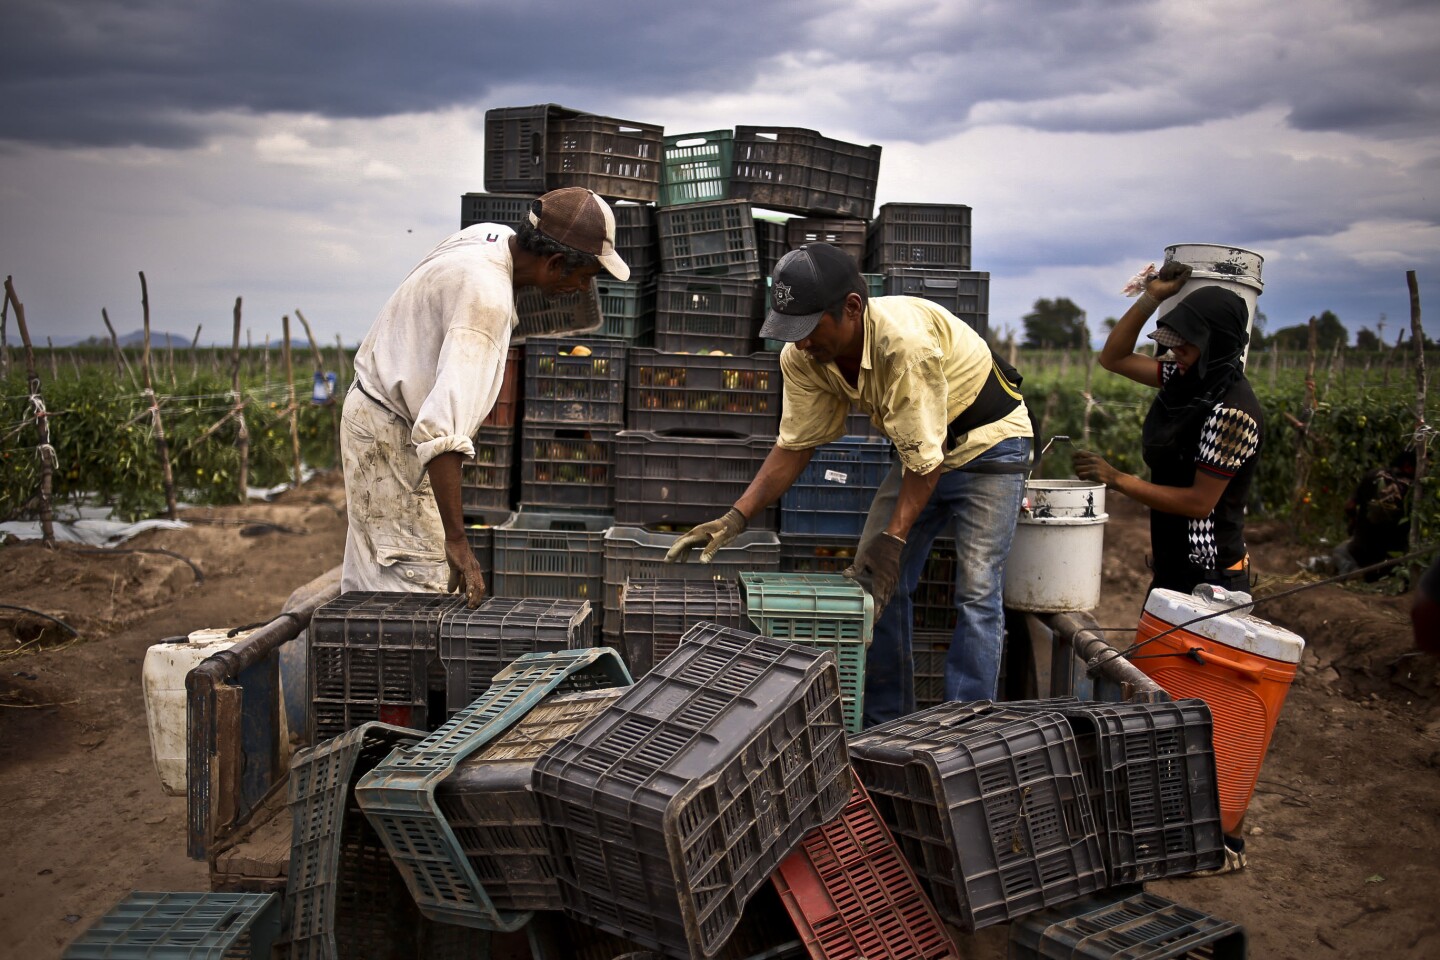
column 923, row 250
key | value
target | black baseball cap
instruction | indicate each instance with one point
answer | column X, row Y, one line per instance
column 805, row 282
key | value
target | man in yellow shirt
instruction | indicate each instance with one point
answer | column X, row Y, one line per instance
column 962, row 441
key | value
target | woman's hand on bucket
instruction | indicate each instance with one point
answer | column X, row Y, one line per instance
column 1169, row 280
column 1093, row 467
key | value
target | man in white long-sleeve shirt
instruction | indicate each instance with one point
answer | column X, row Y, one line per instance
column 428, row 373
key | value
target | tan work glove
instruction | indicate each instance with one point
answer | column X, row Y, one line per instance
column 877, row 569
column 715, row 534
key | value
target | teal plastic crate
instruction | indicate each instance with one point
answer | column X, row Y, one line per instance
column 182, row 926
column 398, row 796
column 696, row 167
column 824, row 610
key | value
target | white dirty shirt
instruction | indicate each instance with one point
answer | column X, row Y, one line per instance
column 921, row 366
column 432, row 365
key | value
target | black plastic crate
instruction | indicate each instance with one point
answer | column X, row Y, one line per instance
column 507, row 209
column 771, row 239
column 694, row 392
column 569, row 467
column 800, row 171
column 552, row 556
column 989, row 805
column 493, row 814
column 629, row 309
column 575, row 380
column 935, row 235
column 507, row 401
column 697, row 167
column 715, row 239
column 175, row 926
column 636, row 239
column 515, row 147
column 706, row 314
column 1151, row 773
column 485, row 481
column 479, row 533
column 816, row 553
column 656, row 613
column 833, row 493
column 929, row 648
column 477, row 644
column 618, row 159
column 1129, row 925
column 965, row 293
column 681, row 481
column 369, row 656
column 571, row 315
column 934, row 597
column 847, row 234
column 634, row 553
column 672, row 808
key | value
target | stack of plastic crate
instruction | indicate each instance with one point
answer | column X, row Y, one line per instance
column 671, row 810
column 989, row 805
column 1125, row 923
column 656, row 613
column 371, row 656
column 477, row 644
column 822, row 610
column 923, row 250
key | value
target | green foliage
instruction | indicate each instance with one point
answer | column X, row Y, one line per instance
column 1329, row 331
column 100, row 427
column 1353, row 431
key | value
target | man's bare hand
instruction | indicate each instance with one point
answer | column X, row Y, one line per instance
column 465, row 575
column 1093, row 467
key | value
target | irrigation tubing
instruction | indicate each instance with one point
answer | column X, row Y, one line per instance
column 11, row 606
column 199, row 575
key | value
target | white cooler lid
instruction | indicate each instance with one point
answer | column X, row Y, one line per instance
column 1248, row 633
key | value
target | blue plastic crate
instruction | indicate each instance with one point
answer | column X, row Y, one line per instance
column 182, row 926
column 832, row 496
column 398, row 796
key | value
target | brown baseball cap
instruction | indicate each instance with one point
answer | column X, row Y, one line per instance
column 581, row 220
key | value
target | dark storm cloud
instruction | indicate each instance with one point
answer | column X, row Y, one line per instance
column 115, row 72
column 109, row 72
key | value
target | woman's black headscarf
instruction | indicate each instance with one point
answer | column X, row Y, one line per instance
column 1215, row 320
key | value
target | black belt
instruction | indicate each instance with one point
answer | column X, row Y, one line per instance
column 376, row 400
column 998, row 398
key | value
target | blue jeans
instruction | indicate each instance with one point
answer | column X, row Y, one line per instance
column 978, row 509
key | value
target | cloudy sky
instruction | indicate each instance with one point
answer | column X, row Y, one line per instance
column 305, row 153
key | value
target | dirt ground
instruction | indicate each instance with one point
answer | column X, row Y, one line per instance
column 1343, row 834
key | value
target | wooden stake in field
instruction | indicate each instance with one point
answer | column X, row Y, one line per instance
column 54, row 368
column 162, row 448
column 195, row 352
column 42, row 419
column 1307, row 414
column 242, row 432
column 122, row 365
column 1422, row 432
column 290, row 386
column 4, row 344
column 329, row 391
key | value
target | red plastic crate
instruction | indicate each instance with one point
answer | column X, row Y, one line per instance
column 503, row 413
column 852, row 894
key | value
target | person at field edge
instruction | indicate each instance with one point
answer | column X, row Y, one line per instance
column 426, row 376
column 1201, row 441
column 961, row 437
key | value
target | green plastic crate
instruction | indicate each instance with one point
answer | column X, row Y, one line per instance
column 183, row 926
column 824, row 610
column 696, row 167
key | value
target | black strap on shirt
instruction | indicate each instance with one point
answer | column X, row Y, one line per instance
column 999, row 396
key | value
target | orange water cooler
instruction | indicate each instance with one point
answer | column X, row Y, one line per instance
column 1240, row 665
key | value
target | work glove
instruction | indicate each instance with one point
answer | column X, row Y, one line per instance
column 715, row 534
column 877, row 569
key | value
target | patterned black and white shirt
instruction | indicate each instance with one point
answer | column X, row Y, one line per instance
column 1228, row 447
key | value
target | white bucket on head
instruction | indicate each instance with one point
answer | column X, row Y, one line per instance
column 1219, row 265
column 1055, row 559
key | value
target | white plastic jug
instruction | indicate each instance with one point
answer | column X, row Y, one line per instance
column 163, row 680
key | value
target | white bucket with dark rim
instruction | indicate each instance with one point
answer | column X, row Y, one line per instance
column 1219, row 265
column 1055, row 560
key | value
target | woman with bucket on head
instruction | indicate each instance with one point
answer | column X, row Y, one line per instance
column 1201, row 438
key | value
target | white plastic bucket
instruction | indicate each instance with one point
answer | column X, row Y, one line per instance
column 1055, row 560
column 163, row 680
column 1219, row 265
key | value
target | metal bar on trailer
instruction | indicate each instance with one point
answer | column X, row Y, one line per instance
column 1080, row 631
